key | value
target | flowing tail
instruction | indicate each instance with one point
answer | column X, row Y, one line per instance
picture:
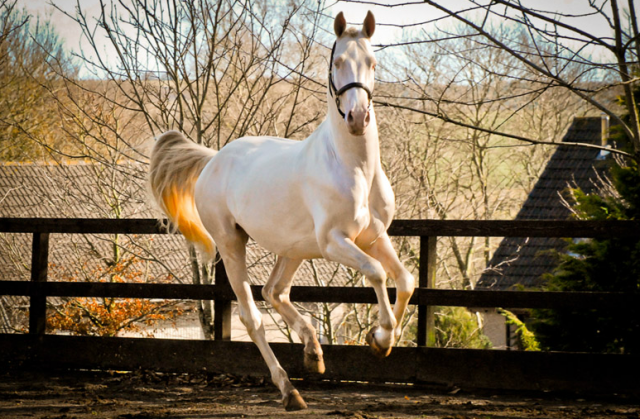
column 176, row 164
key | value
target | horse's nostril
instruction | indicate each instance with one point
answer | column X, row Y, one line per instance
column 367, row 118
column 350, row 117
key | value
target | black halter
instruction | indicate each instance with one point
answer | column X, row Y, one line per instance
column 336, row 93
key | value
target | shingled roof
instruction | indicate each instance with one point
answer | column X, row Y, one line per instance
column 72, row 190
column 521, row 262
column 77, row 190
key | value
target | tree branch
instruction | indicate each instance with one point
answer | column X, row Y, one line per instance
column 503, row 134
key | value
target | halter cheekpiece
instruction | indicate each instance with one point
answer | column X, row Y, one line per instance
column 336, row 93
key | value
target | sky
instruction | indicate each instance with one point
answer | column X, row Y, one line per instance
column 66, row 28
column 354, row 12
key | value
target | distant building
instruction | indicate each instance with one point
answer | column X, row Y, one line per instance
column 520, row 262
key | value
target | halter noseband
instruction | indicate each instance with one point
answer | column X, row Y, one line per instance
column 336, row 93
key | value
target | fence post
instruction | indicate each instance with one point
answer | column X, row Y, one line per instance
column 426, row 335
column 38, row 298
column 221, row 306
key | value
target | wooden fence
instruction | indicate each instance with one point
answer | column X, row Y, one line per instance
column 463, row 367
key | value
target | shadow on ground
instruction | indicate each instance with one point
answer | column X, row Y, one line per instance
column 148, row 395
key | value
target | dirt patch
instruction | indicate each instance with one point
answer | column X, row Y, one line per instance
column 148, row 395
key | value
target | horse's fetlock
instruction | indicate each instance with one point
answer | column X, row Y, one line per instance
column 388, row 324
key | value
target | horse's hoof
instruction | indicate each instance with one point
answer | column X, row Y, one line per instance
column 377, row 350
column 314, row 363
column 293, row 401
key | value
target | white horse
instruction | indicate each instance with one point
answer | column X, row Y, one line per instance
column 326, row 196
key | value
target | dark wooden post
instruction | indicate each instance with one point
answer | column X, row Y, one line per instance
column 221, row 306
column 38, row 298
column 427, row 279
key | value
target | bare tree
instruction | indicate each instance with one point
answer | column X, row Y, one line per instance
column 549, row 44
column 448, row 171
column 27, row 44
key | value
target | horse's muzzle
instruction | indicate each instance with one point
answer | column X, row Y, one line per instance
column 358, row 121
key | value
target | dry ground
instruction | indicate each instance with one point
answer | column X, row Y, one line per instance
column 148, row 395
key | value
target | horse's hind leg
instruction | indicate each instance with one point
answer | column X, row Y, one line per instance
column 233, row 252
column 276, row 291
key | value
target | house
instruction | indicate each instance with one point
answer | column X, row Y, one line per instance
column 520, row 262
column 85, row 190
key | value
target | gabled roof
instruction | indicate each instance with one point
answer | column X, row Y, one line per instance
column 522, row 261
column 72, row 190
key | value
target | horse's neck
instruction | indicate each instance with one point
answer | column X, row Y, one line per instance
column 358, row 153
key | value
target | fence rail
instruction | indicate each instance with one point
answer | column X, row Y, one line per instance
column 480, row 368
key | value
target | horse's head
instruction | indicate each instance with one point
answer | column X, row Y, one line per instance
column 351, row 72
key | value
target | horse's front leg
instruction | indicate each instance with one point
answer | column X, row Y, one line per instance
column 276, row 291
column 337, row 247
column 383, row 251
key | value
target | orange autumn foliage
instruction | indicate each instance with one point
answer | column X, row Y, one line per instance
column 108, row 316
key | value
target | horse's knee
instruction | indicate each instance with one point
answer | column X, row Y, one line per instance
column 374, row 272
column 405, row 284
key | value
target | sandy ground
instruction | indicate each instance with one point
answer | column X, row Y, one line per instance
column 148, row 395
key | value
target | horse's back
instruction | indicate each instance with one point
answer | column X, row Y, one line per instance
column 251, row 165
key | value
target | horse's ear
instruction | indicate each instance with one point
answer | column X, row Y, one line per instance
column 369, row 25
column 339, row 25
